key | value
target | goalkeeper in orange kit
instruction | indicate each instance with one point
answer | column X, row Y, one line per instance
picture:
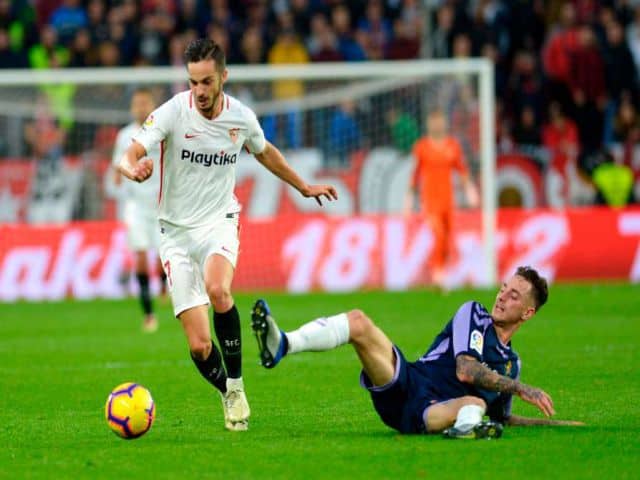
column 437, row 155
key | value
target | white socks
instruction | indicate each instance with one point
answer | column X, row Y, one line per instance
column 320, row 334
column 468, row 417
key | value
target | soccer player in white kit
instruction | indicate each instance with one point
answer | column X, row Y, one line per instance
column 201, row 133
column 140, row 205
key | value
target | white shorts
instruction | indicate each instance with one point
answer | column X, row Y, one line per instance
column 143, row 231
column 184, row 251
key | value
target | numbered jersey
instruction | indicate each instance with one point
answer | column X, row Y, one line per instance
column 197, row 164
column 470, row 332
column 144, row 195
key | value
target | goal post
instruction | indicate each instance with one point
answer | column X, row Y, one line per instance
column 88, row 104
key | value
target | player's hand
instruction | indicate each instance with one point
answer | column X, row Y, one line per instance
column 537, row 397
column 319, row 191
column 407, row 209
column 473, row 197
column 143, row 170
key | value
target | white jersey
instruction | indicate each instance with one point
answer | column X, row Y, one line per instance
column 199, row 155
column 144, row 195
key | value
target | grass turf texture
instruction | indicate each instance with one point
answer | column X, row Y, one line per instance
column 310, row 418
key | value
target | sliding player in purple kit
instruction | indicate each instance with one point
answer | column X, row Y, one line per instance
column 470, row 369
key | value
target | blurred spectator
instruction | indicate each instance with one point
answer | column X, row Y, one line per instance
column 526, row 130
column 442, row 37
column 222, row 15
column 404, row 129
column 49, row 54
column 490, row 25
column 220, row 35
column 588, row 89
column 626, row 127
column 525, row 86
column 560, row 136
column 108, row 54
column 377, row 28
column 67, row 19
column 301, row 11
column 192, row 16
column 253, row 51
column 97, row 21
column 287, row 49
column 633, row 37
column 349, row 48
column 621, row 74
column 411, row 14
column 123, row 30
column 500, row 68
column 158, row 23
column 620, row 71
column 256, row 15
column 8, row 57
column 344, row 133
column 252, row 48
column 528, row 26
column 614, row 183
column 323, row 45
column 18, row 19
column 81, row 50
column 405, row 43
column 557, row 54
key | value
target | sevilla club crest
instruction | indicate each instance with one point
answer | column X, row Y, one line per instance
column 233, row 134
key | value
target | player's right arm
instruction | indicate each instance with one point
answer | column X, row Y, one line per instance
column 470, row 370
column 133, row 165
column 154, row 130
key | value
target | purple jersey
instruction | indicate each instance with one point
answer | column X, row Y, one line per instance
column 470, row 332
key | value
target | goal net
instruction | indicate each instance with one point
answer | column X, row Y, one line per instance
column 352, row 125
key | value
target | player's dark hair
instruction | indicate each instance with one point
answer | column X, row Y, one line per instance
column 205, row 49
column 539, row 287
column 143, row 91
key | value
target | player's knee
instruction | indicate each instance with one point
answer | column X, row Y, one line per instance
column 219, row 294
column 471, row 400
column 200, row 348
column 359, row 325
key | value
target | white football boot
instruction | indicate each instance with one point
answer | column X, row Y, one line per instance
column 235, row 406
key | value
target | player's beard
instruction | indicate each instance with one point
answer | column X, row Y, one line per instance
column 210, row 109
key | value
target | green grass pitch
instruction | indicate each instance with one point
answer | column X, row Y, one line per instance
column 310, row 418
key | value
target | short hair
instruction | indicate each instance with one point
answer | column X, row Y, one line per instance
column 205, row 49
column 539, row 286
column 143, row 91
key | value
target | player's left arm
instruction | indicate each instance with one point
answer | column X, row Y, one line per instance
column 518, row 421
column 470, row 370
column 470, row 189
column 274, row 161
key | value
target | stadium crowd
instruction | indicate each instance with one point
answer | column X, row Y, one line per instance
column 566, row 74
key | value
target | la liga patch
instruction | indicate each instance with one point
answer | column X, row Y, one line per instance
column 476, row 341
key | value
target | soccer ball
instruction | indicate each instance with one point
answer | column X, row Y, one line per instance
column 130, row 410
